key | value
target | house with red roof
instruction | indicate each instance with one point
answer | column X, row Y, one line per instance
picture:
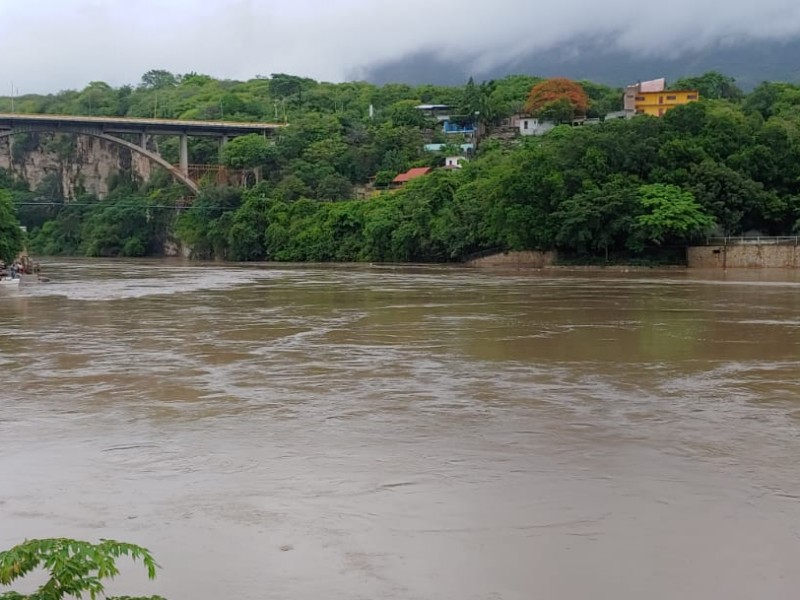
column 403, row 178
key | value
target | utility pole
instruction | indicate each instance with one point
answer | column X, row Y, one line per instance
column 12, row 97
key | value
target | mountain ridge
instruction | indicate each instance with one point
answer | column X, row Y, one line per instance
column 749, row 63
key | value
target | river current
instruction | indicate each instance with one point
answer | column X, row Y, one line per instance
column 365, row 432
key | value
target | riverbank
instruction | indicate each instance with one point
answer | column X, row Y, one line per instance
column 738, row 256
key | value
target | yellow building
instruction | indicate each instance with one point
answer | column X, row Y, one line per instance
column 657, row 103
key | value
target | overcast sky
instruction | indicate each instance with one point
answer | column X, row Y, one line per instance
column 49, row 45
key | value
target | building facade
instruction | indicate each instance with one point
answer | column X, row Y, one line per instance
column 656, row 104
column 652, row 98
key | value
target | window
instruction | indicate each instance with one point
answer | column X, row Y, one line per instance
column 661, row 99
column 672, row 97
column 525, row 124
column 691, row 96
column 640, row 98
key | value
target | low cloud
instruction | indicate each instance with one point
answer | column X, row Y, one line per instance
column 48, row 45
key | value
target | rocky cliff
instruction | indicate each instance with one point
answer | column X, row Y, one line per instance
column 77, row 163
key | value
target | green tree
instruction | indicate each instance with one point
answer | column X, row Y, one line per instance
column 98, row 98
column 602, row 99
column 711, row 85
column 508, row 95
column 668, row 214
column 597, row 220
column 292, row 188
column 74, row 567
column 246, row 152
column 472, row 99
column 11, row 236
column 334, row 187
column 157, row 79
column 204, row 228
column 770, row 98
column 405, row 114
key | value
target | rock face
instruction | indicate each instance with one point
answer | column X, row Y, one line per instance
column 77, row 163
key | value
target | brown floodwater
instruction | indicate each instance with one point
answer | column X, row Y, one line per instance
column 313, row 432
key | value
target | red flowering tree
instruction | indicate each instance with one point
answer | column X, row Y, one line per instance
column 557, row 99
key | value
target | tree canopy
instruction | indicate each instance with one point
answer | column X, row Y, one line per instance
column 557, row 99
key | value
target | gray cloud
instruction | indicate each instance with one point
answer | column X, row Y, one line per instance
column 48, row 45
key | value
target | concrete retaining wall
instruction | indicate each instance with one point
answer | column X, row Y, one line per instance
column 516, row 260
column 759, row 256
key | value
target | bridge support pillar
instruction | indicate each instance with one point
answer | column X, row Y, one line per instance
column 184, row 156
column 143, row 140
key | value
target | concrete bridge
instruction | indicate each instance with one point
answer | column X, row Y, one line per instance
column 110, row 128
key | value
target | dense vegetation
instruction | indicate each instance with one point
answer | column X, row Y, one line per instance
column 11, row 237
column 624, row 189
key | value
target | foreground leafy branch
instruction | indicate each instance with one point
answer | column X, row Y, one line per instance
column 75, row 567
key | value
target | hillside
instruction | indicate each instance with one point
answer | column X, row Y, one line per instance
column 629, row 190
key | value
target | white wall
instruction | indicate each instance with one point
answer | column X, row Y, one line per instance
column 528, row 125
column 453, row 161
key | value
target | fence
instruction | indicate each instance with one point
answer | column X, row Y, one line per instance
column 790, row 240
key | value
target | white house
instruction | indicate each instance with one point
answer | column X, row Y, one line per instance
column 454, row 162
column 533, row 126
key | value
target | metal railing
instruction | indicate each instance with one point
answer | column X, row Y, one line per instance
column 788, row 240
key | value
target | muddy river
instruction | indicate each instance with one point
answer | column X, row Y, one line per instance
column 312, row 432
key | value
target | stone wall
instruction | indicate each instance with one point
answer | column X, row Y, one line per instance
column 760, row 256
column 79, row 163
column 516, row 260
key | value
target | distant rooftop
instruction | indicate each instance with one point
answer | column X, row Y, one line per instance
column 654, row 85
column 411, row 174
column 438, row 147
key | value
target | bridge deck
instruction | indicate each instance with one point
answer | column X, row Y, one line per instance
column 117, row 125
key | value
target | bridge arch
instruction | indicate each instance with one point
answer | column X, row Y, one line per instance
column 152, row 156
